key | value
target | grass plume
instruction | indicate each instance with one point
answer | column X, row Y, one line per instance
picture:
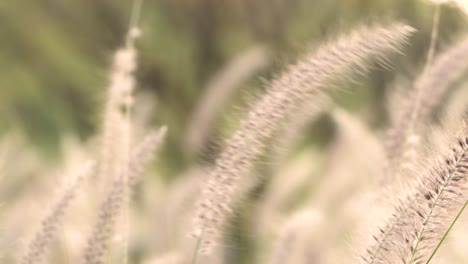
column 300, row 82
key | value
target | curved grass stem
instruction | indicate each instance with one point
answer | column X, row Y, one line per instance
column 447, row 232
column 197, row 248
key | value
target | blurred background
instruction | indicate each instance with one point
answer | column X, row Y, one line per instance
column 55, row 55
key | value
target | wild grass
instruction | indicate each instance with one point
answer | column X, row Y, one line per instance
column 359, row 195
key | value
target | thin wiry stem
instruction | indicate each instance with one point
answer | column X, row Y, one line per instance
column 435, row 203
column 136, row 13
column 447, row 232
column 134, row 18
column 197, row 248
column 434, row 35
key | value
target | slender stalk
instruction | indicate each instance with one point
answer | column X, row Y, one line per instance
column 434, row 35
column 426, row 220
column 134, row 17
column 197, row 248
column 447, row 232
